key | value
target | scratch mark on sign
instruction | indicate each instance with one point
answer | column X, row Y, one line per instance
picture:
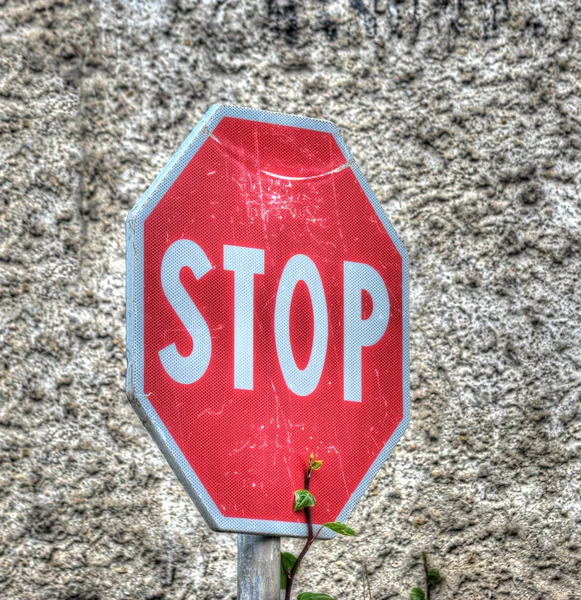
column 236, row 450
column 349, row 163
column 214, row 413
column 210, row 134
column 288, row 470
column 340, row 461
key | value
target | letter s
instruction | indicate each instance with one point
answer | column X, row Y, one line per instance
column 185, row 369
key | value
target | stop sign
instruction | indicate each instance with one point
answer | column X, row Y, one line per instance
column 267, row 319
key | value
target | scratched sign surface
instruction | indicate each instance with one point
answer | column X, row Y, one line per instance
column 267, row 318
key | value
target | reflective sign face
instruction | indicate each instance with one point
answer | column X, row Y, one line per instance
column 267, row 319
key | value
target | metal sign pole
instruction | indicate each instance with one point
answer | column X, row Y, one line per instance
column 258, row 567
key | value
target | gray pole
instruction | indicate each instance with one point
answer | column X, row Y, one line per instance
column 258, row 567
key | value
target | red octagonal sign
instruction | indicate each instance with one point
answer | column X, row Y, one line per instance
column 267, row 318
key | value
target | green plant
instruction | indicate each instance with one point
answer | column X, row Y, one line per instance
column 289, row 563
column 366, row 585
column 433, row 577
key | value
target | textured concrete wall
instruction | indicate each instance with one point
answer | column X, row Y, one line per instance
column 466, row 118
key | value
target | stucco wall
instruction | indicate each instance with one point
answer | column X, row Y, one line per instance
column 466, row 119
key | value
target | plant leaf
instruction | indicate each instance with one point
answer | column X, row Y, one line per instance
column 314, row 465
column 289, row 561
column 434, row 576
column 303, row 499
column 314, row 596
column 340, row 528
column 417, row 594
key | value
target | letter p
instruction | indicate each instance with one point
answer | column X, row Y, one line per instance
column 359, row 332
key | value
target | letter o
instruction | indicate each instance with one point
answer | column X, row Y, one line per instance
column 302, row 382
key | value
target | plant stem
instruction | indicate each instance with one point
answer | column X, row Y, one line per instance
column 367, row 580
column 425, row 557
column 310, row 539
column 308, row 508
